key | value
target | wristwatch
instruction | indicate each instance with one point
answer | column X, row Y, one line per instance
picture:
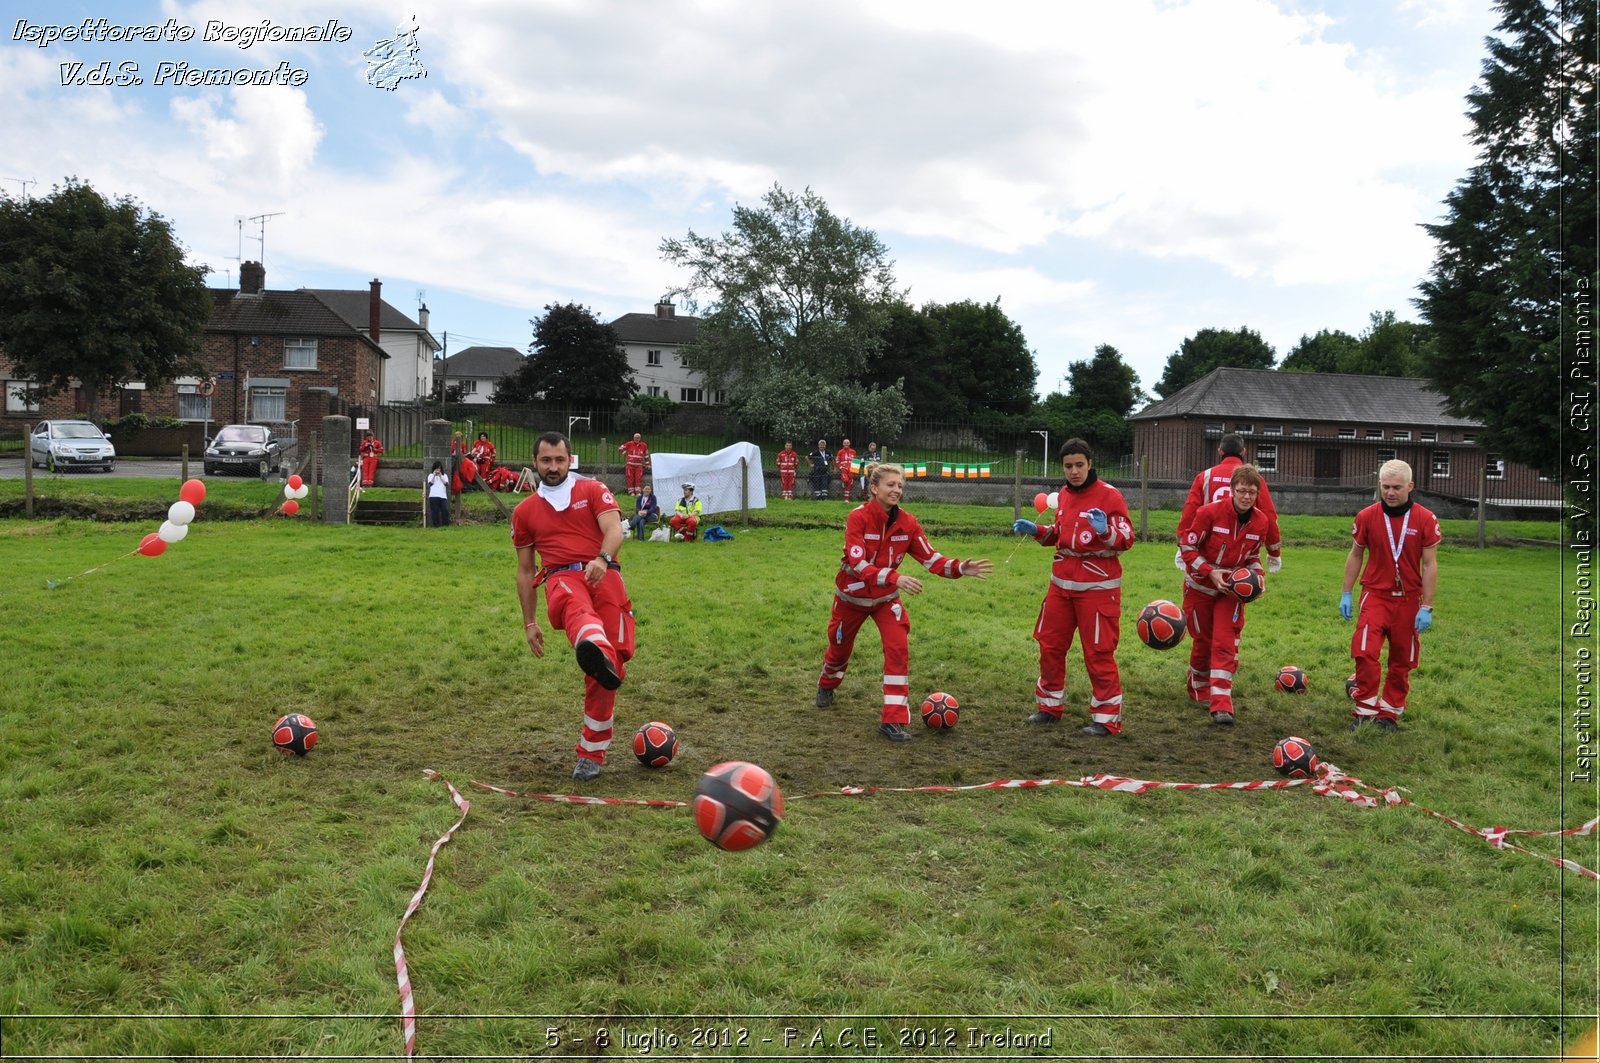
column 607, row 558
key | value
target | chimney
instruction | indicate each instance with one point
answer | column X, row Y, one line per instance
column 664, row 308
column 422, row 316
column 374, row 306
column 252, row 278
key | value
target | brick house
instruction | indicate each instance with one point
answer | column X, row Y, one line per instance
column 1329, row 429
column 654, row 344
column 408, row 373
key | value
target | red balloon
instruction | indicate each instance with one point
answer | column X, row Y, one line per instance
column 291, row 507
column 1039, row 502
column 152, row 545
column 295, row 481
column 193, row 492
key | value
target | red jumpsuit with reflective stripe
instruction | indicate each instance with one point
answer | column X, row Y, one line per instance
column 370, row 450
column 1391, row 591
column 788, row 462
column 875, row 542
column 842, row 459
column 634, row 454
column 602, row 614
column 1215, row 484
column 1219, row 537
column 1084, row 599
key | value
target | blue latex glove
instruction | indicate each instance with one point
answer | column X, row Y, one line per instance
column 1424, row 619
column 1344, row 605
column 1098, row 521
column 1025, row 527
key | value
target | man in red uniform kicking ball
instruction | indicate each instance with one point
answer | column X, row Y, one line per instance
column 1402, row 573
column 576, row 527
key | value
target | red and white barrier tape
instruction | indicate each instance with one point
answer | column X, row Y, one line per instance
column 1331, row 782
column 408, row 1002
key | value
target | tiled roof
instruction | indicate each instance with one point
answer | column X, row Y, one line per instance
column 280, row 313
column 489, row 363
column 355, row 307
column 648, row 328
column 1290, row 396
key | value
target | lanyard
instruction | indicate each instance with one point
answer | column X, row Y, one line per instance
column 1396, row 547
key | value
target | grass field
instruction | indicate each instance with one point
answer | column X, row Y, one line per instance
column 173, row 886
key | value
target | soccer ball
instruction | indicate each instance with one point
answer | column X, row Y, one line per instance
column 655, row 744
column 737, row 805
column 1350, row 686
column 1160, row 625
column 940, row 710
column 1291, row 680
column 1294, row 757
column 1246, row 584
column 295, row 733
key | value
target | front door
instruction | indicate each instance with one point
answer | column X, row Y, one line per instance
column 1326, row 465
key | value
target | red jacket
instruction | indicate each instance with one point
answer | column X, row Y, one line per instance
column 1216, row 483
column 1086, row 560
column 1218, row 538
column 874, row 546
column 635, row 452
column 788, row 460
column 842, row 458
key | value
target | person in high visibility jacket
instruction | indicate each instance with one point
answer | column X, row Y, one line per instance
column 686, row 515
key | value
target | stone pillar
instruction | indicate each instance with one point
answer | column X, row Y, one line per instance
column 336, row 469
column 435, row 448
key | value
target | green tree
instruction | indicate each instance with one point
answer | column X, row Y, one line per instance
column 985, row 357
column 1389, row 347
column 796, row 303
column 912, row 355
column 96, row 292
column 1519, row 231
column 575, row 360
column 1104, row 382
column 1323, row 353
column 1210, row 349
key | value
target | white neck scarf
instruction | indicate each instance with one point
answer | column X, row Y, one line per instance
column 559, row 496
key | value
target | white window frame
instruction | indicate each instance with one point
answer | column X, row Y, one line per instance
column 1247, row 428
column 27, row 402
column 652, row 357
column 692, row 395
column 1440, row 463
column 1267, row 457
column 1302, row 430
column 1374, row 433
column 469, row 385
column 197, row 405
column 260, row 414
column 1402, row 435
column 653, row 390
column 1272, row 430
column 1430, row 437
column 1213, row 426
column 1469, row 437
column 1347, row 433
column 306, row 349
column 719, row 398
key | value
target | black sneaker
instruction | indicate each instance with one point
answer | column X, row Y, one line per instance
column 1224, row 718
column 1099, row 730
column 1387, row 723
column 587, row 769
column 1356, row 724
column 1043, row 717
column 824, row 697
column 596, row 665
column 893, row 732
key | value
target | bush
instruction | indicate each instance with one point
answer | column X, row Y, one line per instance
column 135, row 422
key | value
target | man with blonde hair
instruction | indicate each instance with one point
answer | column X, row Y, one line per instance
column 1397, row 588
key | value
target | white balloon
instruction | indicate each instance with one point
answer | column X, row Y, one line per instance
column 288, row 492
column 173, row 533
column 1052, row 499
column 301, row 491
column 180, row 513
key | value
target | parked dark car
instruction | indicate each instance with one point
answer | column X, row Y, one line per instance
column 59, row 445
column 248, row 448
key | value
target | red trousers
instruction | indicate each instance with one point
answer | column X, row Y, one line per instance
column 1095, row 617
column 369, row 469
column 1215, row 622
column 847, row 479
column 635, row 475
column 603, row 615
column 786, row 484
column 687, row 525
column 894, row 629
column 1384, row 619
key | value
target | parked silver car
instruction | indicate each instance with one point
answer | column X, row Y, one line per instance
column 248, row 448
column 59, row 445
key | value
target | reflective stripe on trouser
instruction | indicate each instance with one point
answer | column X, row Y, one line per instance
column 894, row 625
column 1215, row 622
column 786, row 485
column 635, row 477
column 605, row 615
column 1095, row 618
column 1384, row 619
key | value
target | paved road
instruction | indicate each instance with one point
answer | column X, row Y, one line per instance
column 11, row 468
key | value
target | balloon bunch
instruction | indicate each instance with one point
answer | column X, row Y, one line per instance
column 176, row 526
column 294, row 490
column 1042, row 501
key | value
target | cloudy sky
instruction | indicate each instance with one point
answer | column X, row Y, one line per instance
column 1123, row 173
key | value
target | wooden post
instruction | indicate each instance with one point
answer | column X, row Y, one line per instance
column 1016, row 490
column 183, row 476
column 744, row 490
column 27, row 472
column 1483, row 500
column 1144, row 494
column 605, row 458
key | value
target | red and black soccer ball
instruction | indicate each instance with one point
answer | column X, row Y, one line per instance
column 1160, row 625
column 940, row 710
column 1294, row 757
column 1246, row 584
column 295, row 732
column 655, row 744
column 1350, row 686
column 737, row 805
column 1291, row 679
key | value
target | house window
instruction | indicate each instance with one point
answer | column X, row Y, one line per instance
column 691, row 395
column 1374, row 433
column 654, row 391
column 1244, row 429
column 1385, row 454
column 469, row 386
column 719, row 398
column 1347, row 433
column 652, row 357
column 1469, row 437
column 1267, row 457
column 1402, row 434
column 1495, row 467
column 193, row 406
column 1302, row 429
column 21, row 397
column 300, row 352
column 269, row 404
column 1441, row 463
column 1273, row 430
column 1430, row 437
column 1213, row 427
